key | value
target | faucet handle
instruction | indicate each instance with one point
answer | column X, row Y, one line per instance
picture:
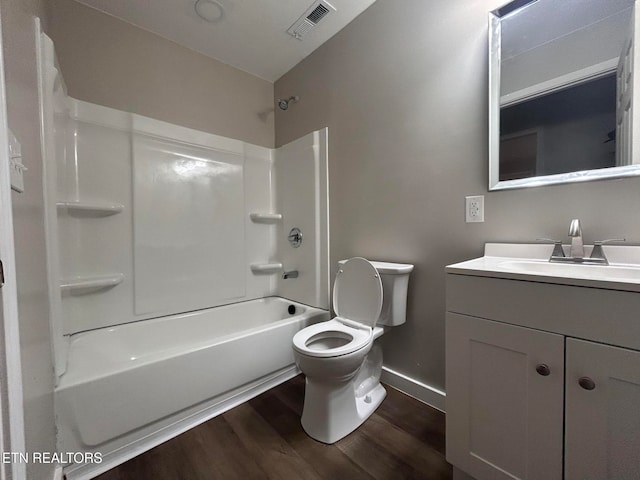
column 557, row 246
column 611, row 240
column 598, row 254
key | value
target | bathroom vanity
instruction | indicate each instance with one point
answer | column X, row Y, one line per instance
column 543, row 365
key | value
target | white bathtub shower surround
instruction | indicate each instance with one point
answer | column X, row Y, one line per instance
column 185, row 234
column 304, row 205
column 125, row 382
column 179, row 215
column 188, row 226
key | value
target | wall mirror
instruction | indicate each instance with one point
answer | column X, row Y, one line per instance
column 561, row 88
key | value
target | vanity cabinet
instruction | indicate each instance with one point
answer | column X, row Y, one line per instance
column 532, row 390
column 602, row 438
column 504, row 419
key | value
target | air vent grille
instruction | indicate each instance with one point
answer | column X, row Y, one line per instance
column 318, row 13
column 310, row 18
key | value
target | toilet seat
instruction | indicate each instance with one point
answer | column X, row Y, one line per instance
column 331, row 339
column 357, row 299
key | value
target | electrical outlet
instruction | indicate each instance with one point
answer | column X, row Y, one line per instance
column 474, row 209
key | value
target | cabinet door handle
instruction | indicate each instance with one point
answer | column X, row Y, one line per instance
column 586, row 383
column 543, row 369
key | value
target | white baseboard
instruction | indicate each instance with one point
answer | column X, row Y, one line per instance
column 414, row 388
column 57, row 473
column 119, row 456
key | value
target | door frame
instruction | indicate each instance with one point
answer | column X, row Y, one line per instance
column 11, row 394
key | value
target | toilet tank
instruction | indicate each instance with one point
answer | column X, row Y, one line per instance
column 395, row 280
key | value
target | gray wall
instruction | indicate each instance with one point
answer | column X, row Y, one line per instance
column 403, row 90
column 110, row 62
column 28, row 219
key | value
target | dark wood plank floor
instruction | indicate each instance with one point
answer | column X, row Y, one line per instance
column 263, row 439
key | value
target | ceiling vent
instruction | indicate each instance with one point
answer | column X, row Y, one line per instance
column 310, row 18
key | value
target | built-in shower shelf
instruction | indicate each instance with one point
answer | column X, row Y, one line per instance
column 84, row 285
column 265, row 217
column 266, row 268
column 90, row 209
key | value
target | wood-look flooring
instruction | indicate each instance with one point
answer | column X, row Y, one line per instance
column 263, row 439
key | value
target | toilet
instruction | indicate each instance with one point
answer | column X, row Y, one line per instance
column 338, row 357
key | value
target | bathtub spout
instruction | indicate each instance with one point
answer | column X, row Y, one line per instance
column 290, row 274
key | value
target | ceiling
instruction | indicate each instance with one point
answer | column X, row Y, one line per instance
column 251, row 35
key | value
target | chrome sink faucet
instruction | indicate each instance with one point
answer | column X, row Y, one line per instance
column 576, row 252
column 577, row 246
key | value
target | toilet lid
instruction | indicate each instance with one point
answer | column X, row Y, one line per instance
column 357, row 292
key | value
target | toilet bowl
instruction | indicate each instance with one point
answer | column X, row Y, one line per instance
column 338, row 357
column 332, row 340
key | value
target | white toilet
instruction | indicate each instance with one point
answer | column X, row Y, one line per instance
column 343, row 371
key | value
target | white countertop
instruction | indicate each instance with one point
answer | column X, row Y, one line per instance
column 502, row 260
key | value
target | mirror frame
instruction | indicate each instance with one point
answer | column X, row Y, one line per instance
column 494, row 121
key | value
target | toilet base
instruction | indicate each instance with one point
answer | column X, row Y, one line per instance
column 332, row 411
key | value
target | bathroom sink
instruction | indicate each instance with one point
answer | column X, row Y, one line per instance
column 619, row 273
column 530, row 262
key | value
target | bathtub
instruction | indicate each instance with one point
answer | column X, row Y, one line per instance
column 129, row 381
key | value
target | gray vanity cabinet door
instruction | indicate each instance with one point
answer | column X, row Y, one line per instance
column 602, row 438
column 504, row 400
